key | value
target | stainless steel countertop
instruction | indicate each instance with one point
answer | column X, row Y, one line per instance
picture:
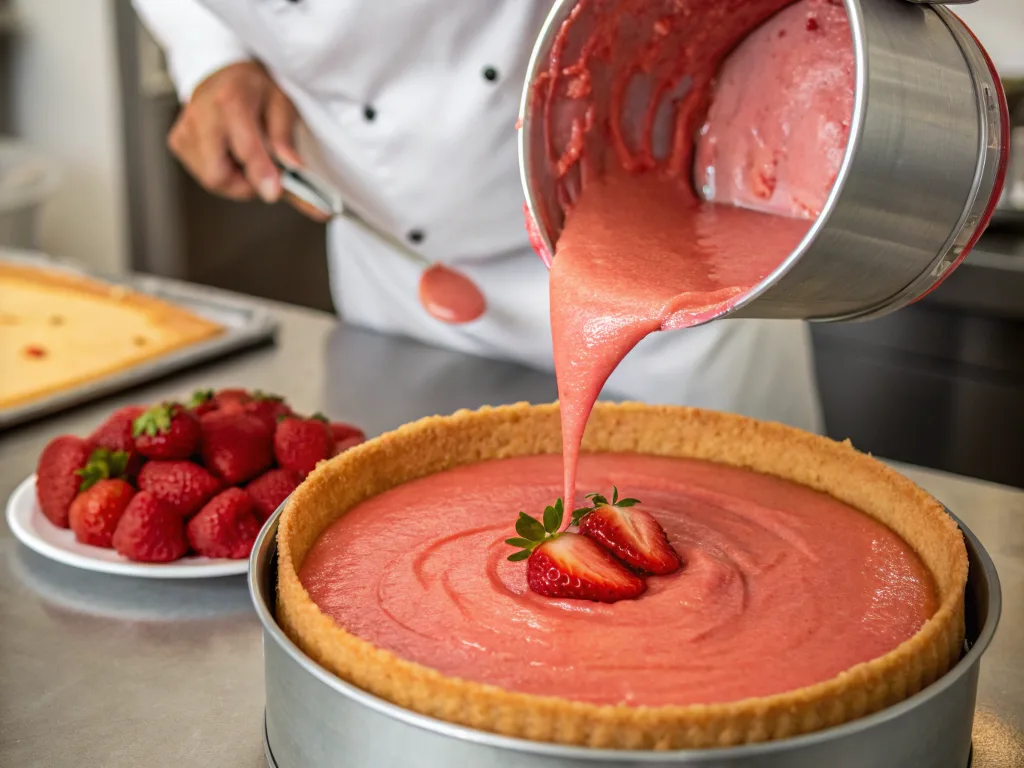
column 115, row 672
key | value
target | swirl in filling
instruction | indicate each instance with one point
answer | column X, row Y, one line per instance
column 783, row 587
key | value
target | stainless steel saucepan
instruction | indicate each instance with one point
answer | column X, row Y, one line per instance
column 922, row 172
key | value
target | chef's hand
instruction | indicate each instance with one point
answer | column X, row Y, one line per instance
column 225, row 135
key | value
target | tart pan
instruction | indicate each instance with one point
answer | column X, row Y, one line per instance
column 316, row 720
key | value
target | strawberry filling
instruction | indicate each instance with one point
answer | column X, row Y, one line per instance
column 772, row 571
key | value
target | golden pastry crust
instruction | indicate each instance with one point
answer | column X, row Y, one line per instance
column 438, row 443
column 89, row 309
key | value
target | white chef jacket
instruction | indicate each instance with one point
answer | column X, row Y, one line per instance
column 409, row 107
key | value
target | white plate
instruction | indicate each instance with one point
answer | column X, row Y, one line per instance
column 31, row 528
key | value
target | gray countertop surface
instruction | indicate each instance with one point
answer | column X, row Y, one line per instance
column 108, row 672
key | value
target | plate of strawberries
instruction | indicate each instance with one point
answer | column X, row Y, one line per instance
column 173, row 490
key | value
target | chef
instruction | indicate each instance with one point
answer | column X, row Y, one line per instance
column 409, row 108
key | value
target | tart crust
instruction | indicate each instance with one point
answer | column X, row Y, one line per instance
column 438, row 443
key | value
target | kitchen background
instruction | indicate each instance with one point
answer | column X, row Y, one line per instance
column 940, row 384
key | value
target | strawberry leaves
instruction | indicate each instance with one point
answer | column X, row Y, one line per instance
column 199, row 397
column 532, row 532
column 600, row 501
column 156, row 420
column 260, row 395
column 103, row 464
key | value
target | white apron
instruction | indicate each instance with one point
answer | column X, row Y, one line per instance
column 410, row 107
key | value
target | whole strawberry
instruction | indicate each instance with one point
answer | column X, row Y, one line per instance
column 202, row 402
column 225, row 397
column 299, row 444
column 568, row 565
column 95, row 512
column 226, row 526
column 182, row 485
column 270, row 489
column 166, row 431
column 345, row 436
column 342, row 432
column 206, row 400
column 628, row 532
column 57, row 479
column 269, row 409
column 115, row 434
column 103, row 464
column 344, row 445
column 149, row 531
column 235, row 446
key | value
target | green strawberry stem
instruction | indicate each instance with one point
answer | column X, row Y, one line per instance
column 156, row 420
column 199, row 397
column 600, row 501
column 259, row 394
column 532, row 532
column 103, row 464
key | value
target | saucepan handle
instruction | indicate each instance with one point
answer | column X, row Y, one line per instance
column 942, row 2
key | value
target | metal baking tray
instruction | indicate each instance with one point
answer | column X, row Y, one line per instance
column 246, row 324
column 314, row 719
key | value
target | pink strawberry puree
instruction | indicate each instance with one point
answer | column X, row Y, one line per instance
column 450, row 296
column 640, row 250
column 783, row 587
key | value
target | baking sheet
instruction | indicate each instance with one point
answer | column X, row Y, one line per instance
column 246, row 324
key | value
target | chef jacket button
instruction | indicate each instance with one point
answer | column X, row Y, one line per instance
column 369, row 113
column 416, row 235
column 490, row 74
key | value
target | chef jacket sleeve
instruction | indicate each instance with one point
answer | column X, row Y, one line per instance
column 195, row 41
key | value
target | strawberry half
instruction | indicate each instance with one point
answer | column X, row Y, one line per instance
column 568, row 565
column 629, row 533
column 573, row 566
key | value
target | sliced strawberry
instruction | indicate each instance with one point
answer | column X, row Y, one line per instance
column 629, row 533
column 569, row 565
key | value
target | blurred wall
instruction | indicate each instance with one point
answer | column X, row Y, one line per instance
column 999, row 24
column 66, row 101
